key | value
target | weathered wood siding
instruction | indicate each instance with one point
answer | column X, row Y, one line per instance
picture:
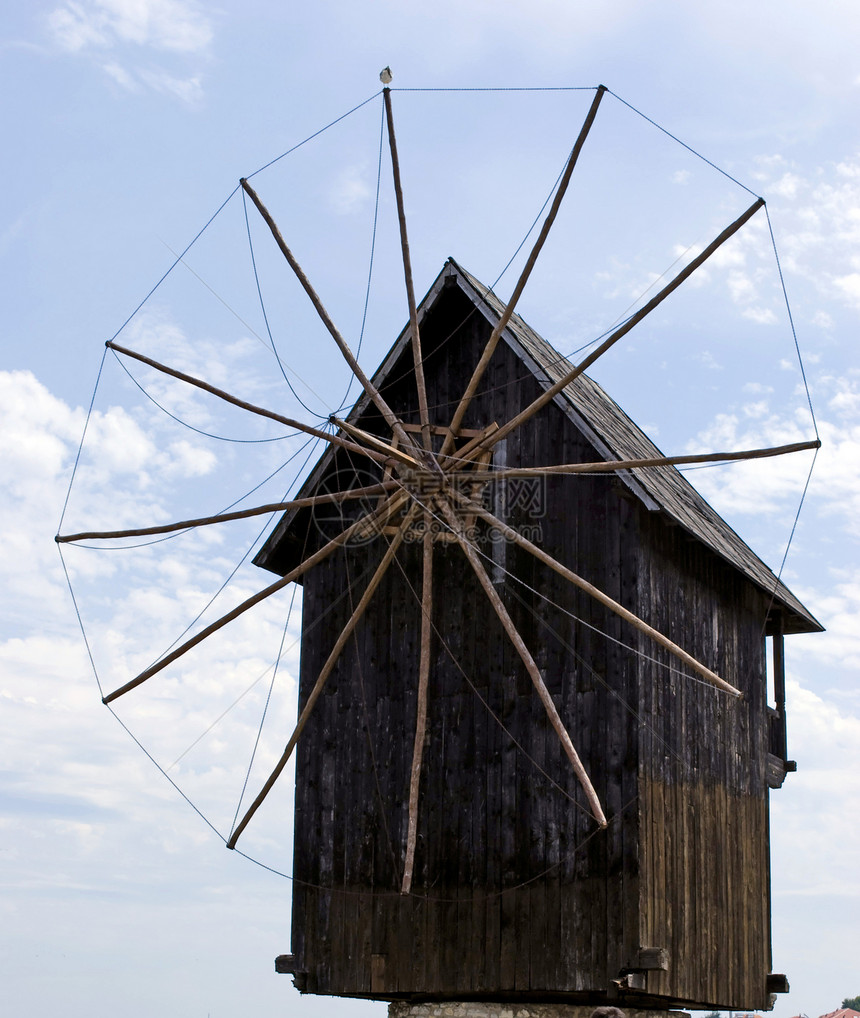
column 516, row 893
column 703, row 790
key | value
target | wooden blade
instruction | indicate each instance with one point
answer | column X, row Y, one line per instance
column 391, row 505
column 493, row 341
column 528, row 661
column 684, row 274
column 610, row 466
column 239, row 514
column 511, row 535
column 421, row 716
column 391, row 451
column 323, row 676
column 368, row 386
column 260, row 411
column 417, row 356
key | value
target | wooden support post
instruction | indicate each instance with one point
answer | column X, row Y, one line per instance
column 779, row 683
column 417, row 355
column 528, row 661
column 327, row 669
column 421, row 715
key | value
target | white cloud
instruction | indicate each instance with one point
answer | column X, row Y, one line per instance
column 133, row 605
column 75, row 27
column 849, row 286
column 175, row 25
column 121, row 76
column 350, row 191
column 759, row 486
column 761, row 316
column 177, row 29
column 188, row 90
column 825, row 740
column 817, row 221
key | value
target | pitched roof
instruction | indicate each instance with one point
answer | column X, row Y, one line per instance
column 612, row 433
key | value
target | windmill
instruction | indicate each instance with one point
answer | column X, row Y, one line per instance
column 494, row 801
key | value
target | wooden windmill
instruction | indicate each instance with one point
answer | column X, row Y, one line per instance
column 534, row 747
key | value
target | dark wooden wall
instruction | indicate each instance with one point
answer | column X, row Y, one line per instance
column 516, row 892
column 703, row 787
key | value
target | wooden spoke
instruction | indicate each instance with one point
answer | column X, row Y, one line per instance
column 575, row 372
column 392, row 451
column 492, row 342
column 368, row 386
column 528, row 661
column 610, row 466
column 323, row 676
column 385, row 510
column 260, row 411
column 511, row 535
column 421, row 716
column 240, row 514
column 407, row 272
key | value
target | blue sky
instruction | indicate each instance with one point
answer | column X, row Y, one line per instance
column 126, row 124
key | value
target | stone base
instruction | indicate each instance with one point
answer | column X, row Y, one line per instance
column 470, row 1009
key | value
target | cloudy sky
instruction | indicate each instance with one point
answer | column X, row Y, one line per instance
column 126, row 126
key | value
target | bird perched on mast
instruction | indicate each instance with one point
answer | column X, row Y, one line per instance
column 385, row 75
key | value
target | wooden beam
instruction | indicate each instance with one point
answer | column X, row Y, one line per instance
column 239, row 514
column 492, row 342
column 528, row 661
column 417, row 355
column 368, row 386
column 391, row 505
column 643, row 312
column 260, row 411
column 323, row 676
column 471, row 450
column 511, row 535
column 421, row 714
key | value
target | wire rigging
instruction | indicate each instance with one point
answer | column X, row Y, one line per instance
column 176, row 261
column 191, row 427
column 350, row 580
column 683, row 144
column 265, row 706
column 316, row 134
column 791, row 321
column 80, row 449
column 343, row 402
column 266, row 320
